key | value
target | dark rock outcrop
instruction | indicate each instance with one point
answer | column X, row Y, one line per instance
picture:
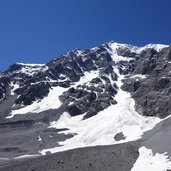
column 29, row 94
column 152, row 94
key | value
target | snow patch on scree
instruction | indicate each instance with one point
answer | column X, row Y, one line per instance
column 101, row 129
column 150, row 162
column 50, row 102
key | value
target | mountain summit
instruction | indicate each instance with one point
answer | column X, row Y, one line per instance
column 104, row 108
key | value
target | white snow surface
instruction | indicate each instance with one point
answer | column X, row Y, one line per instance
column 113, row 52
column 39, row 138
column 21, row 157
column 150, row 162
column 101, row 128
column 114, row 46
column 88, row 76
column 50, row 102
column 139, row 76
column 30, row 69
column 26, row 156
column 14, row 87
column 157, row 47
column 33, row 65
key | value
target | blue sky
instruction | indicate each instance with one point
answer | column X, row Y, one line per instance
column 36, row 31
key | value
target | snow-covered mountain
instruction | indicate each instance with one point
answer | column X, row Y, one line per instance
column 116, row 96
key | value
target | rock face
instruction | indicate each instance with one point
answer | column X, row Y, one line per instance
column 32, row 92
column 4, row 82
column 33, row 82
column 152, row 94
column 91, row 101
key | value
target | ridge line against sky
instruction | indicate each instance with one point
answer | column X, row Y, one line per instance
column 38, row 31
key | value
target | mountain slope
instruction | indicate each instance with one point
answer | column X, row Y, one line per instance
column 106, row 95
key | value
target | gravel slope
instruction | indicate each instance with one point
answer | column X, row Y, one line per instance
column 119, row 157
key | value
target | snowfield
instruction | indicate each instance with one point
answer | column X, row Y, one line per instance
column 50, row 102
column 101, row 129
column 150, row 162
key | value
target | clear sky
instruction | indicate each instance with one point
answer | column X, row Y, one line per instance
column 36, row 31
